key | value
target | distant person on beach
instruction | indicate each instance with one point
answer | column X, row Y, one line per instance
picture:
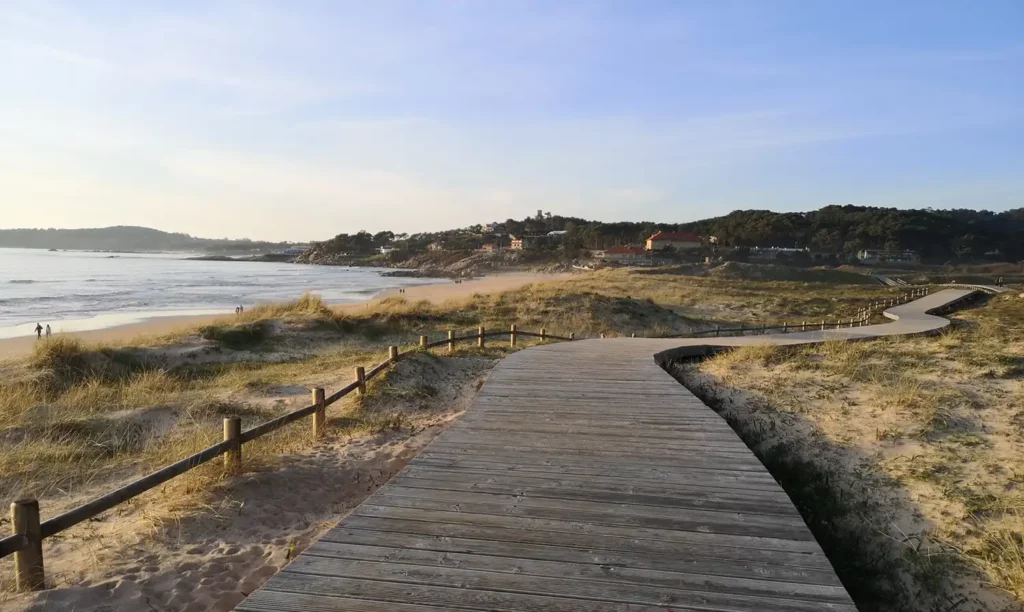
column 39, row 331
column 47, row 330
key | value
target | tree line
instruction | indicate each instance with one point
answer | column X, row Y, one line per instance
column 838, row 232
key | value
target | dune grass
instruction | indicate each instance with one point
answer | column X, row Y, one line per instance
column 923, row 435
column 73, row 415
column 72, row 404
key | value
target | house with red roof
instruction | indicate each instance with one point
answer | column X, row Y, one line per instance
column 676, row 240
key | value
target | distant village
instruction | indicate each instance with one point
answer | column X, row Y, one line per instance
column 532, row 240
column 684, row 245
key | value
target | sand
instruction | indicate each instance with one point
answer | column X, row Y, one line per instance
column 158, row 326
column 488, row 284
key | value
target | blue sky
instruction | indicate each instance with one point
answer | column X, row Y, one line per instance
column 301, row 120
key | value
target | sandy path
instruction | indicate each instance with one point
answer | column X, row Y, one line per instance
column 158, row 326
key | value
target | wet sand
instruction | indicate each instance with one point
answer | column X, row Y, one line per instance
column 159, row 326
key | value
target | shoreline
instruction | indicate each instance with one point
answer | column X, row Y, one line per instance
column 150, row 327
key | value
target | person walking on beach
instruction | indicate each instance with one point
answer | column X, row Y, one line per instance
column 47, row 330
column 39, row 332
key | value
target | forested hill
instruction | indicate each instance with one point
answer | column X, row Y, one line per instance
column 125, row 238
column 938, row 235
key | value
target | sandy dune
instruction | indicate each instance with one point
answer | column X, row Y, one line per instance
column 178, row 549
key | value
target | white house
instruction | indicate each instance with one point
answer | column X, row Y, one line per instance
column 676, row 240
column 881, row 256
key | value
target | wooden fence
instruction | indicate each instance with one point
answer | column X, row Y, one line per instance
column 861, row 318
column 28, row 532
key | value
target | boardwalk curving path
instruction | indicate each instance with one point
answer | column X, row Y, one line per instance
column 583, row 477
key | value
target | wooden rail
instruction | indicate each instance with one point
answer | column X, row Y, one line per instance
column 25, row 543
column 861, row 319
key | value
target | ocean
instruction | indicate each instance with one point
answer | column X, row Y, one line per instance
column 78, row 291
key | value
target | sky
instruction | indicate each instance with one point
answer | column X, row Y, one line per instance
column 300, row 120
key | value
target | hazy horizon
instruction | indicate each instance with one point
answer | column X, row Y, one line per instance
column 297, row 122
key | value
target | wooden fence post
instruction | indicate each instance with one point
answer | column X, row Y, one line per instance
column 602, row 334
column 803, row 326
column 718, row 330
column 741, row 328
column 823, row 325
column 512, row 335
column 392, row 354
column 572, row 335
column 423, row 342
column 543, row 334
column 451, row 340
column 320, row 414
column 361, row 377
column 233, row 432
column 480, row 338
column 28, row 562
column 785, row 326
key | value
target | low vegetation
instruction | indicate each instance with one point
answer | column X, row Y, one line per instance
column 903, row 454
column 76, row 420
column 103, row 408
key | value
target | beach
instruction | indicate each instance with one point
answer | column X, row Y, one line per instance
column 164, row 325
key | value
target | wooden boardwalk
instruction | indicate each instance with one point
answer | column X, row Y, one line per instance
column 584, row 477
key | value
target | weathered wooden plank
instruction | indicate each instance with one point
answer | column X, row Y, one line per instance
column 619, row 552
column 683, row 537
column 683, row 520
column 331, row 576
column 695, row 498
column 507, row 501
column 563, row 567
column 527, row 456
column 680, row 472
column 288, row 592
column 739, row 483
